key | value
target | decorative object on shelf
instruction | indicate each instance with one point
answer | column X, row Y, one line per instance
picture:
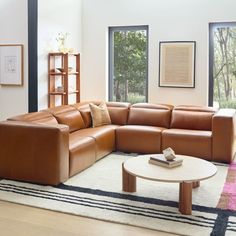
column 61, row 39
column 63, row 80
column 64, row 70
column 11, row 64
column 177, row 64
column 60, row 89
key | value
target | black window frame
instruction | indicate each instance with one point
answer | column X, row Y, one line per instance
column 32, row 55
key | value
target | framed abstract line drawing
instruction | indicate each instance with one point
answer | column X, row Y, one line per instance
column 177, row 64
column 11, row 64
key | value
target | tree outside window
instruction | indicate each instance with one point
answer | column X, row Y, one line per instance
column 128, row 64
column 224, row 65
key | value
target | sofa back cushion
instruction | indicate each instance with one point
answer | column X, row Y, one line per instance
column 36, row 117
column 85, row 111
column 68, row 115
column 192, row 117
column 150, row 114
column 119, row 112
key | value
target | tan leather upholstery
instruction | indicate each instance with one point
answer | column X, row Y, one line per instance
column 104, row 137
column 85, row 112
column 223, row 138
column 36, row 117
column 82, row 152
column 196, row 108
column 149, row 114
column 188, row 142
column 119, row 112
column 138, row 139
column 33, row 152
column 68, row 115
column 153, row 106
column 191, row 119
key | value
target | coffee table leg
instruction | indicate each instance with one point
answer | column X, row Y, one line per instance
column 129, row 181
column 185, row 198
column 196, row 184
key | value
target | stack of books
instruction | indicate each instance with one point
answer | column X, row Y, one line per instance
column 160, row 160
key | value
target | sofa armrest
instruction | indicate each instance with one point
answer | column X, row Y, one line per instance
column 33, row 152
column 223, row 135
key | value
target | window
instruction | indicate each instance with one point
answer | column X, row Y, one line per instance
column 222, row 65
column 128, row 64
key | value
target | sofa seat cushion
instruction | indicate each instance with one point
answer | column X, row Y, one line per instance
column 104, row 137
column 138, row 139
column 82, row 153
column 188, row 142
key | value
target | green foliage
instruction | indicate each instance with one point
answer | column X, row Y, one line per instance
column 135, row 98
column 224, row 70
column 130, row 65
column 228, row 104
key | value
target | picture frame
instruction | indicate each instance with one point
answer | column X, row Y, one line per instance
column 11, row 64
column 177, row 64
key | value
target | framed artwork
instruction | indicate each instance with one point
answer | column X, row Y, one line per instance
column 11, row 64
column 177, row 64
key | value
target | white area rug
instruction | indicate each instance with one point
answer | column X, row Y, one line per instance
column 97, row 193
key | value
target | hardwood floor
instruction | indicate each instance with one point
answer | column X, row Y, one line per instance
column 20, row 220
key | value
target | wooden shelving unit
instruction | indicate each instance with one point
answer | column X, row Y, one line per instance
column 63, row 78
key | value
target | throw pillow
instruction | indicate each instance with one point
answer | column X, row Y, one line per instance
column 100, row 114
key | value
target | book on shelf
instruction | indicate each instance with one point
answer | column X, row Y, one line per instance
column 161, row 160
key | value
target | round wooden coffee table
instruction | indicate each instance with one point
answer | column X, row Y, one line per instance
column 188, row 175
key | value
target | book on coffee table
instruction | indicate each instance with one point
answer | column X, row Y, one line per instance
column 161, row 161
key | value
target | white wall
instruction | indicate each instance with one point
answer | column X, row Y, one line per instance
column 53, row 17
column 168, row 20
column 14, row 30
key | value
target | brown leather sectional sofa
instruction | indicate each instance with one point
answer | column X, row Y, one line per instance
column 49, row 146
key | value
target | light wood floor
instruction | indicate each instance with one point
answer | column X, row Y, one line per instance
column 19, row 220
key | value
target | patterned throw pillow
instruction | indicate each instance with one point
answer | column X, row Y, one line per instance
column 100, row 114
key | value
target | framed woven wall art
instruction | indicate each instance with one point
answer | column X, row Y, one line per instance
column 177, row 64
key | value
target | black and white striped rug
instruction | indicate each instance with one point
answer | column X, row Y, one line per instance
column 96, row 193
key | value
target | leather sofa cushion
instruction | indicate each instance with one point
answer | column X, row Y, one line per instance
column 196, row 108
column 195, row 120
column 188, row 142
column 36, row 117
column 149, row 114
column 85, row 112
column 82, row 153
column 138, row 139
column 68, row 115
column 119, row 112
column 224, row 135
column 104, row 137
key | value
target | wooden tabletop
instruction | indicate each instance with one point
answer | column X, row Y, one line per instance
column 192, row 169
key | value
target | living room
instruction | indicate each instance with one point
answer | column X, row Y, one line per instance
column 88, row 23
